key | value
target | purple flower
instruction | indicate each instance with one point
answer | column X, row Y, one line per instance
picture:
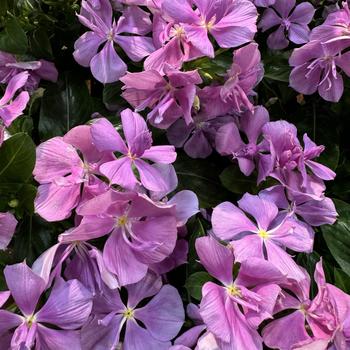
column 267, row 236
column 162, row 317
column 8, row 225
column 324, row 315
column 106, row 65
column 37, row 70
column 229, row 142
column 335, row 30
column 231, row 23
column 61, row 173
column 316, row 69
column 221, row 305
column 169, row 97
column 285, row 155
column 142, row 233
column 243, row 75
column 11, row 108
column 138, row 147
column 263, row 3
column 67, row 309
column 294, row 22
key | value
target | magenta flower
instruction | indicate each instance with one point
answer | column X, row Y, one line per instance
column 162, row 317
column 221, row 305
column 316, row 69
column 8, row 225
column 267, row 236
column 324, row 315
column 138, row 147
column 142, row 233
column 285, row 155
column 242, row 77
column 293, row 22
column 106, row 65
column 55, row 325
column 62, row 174
column 169, row 97
column 231, row 23
column 37, row 70
column 11, row 108
column 229, row 142
column 335, row 30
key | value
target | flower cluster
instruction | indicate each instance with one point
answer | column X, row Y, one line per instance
column 125, row 224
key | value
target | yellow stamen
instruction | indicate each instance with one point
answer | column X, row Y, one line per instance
column 30, row 320
column 122, row 220
column 128, row 313
column 263, row 234
column 234, row 291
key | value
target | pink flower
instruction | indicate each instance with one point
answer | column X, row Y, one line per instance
column 138, row 147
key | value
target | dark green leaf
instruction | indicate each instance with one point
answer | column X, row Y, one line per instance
column 202, row 177
column 337, row 236
column 112, row 97
column 40, row 44
column 17, row 159
column 342, row 280
column 278, row 73
column 64, row 105
column 195, row 283
column 13, row 39
column 233, row 179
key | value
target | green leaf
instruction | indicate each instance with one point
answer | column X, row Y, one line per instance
column 13, row 39
column 112, row 97
column 40, row 44
column 202, row 177
column 278, row 73
column 233, row 179
column 64, row 105
column 17, row 159
column 337, row 236
column 342, row 280
column 195, row 283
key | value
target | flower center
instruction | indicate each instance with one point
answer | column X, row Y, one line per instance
column 263, row 234
column 122, row 221
column 208, row 25
column 110, row 35
column 233, row 291
column 178, row 31
column 30, row 320
column 131, row 156
column 128, row 313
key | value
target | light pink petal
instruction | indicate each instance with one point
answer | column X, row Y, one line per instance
column 8, row 320
column 198, row 36
column 106, row 138
column 147, row 287
column 107, row 66
column 186, row 205
column 255, row 271
column 229, row 221
column 68, row 307
column 304, row 84
column 86, row 47
column 25, row 286
column 13, row 110
column 212, row 310
column 133, row 125
column 134, row 20
column 120, row 259
column 321, row 170
column 277, row 40
column 284, row 7
column 14, row 84
column 97, row 336
column 263, row 211
column 274, row 334
column 136, row 47
column 55, row 203
column 164, row 315
column 332, row 88
column 161, row 154
column 48, row 339
column 180, row 11
column 137, row 338
column 55, row 158
column 120, row 172
column 150, row 177
column 343, row 62
column 269, row 19
column 90, row 227
column 248, row 247
column 216, row 258
column 8, row 225
column 47, row 71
